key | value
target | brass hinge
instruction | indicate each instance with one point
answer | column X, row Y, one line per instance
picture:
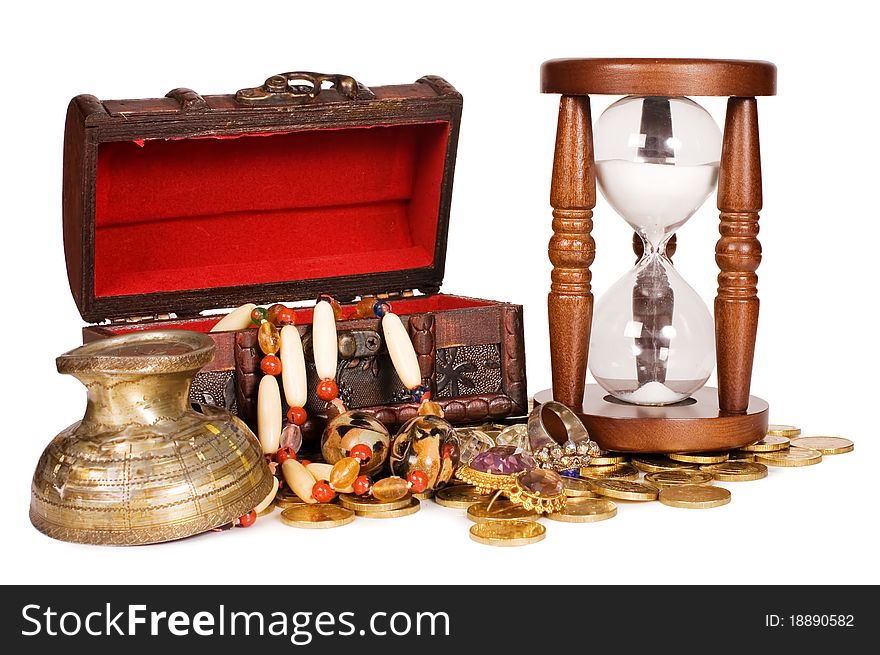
column 139, row 319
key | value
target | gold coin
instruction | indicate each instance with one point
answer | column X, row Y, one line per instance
column 657, row 463
column 825, row 445
column 790, row 457
column 770, row 443
column 694, row 496
column 427, row 494
column 507, row 533
column 607, row 458
column 370, row 504
column 699, row 458
column 289, row 501
column 316, row 516
column 740, row 456
column 624, row 490
column 613, row 472
column 460, row 496
column 502, row 510
column 270, row 508
column 577, row 488
column 414, row 506
column 783, row 430
column 736, row 471
column 585, row 510
column 677, row 478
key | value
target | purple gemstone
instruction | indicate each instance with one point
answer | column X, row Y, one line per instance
column 542, row 482
column 502, row 460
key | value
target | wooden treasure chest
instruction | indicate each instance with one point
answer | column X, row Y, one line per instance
column 179, row 206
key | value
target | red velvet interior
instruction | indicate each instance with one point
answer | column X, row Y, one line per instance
column 182, row 214
column 438, row 302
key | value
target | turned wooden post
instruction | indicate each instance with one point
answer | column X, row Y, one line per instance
column 571, row 249
column 738, row 254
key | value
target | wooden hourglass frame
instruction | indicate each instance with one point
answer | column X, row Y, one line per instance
column 711, row 419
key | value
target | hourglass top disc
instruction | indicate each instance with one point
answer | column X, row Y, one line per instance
column 692, row 425
column 661, row 77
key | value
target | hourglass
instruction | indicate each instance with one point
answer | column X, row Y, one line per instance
column 651, row 342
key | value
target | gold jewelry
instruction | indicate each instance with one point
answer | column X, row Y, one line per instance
column 538, row 490
column 485, row 483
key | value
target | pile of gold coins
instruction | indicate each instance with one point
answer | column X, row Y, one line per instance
column 683, row 480
column 678, row 480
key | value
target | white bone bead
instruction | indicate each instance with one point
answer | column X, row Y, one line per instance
column 269, row 414
column 324, row 345
column 400, row 347
column 320, row 470
column 238, row 319
column 268, row 499
column 298, row 479
column 293, row 367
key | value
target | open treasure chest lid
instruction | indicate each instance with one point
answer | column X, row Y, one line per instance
column 309, row 183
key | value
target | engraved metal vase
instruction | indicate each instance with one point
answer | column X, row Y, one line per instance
column 142, row 466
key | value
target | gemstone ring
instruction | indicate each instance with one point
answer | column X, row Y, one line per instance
column 494, row 469
column 538, row 490
column 558, row 439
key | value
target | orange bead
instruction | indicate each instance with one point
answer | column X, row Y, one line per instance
column 327, row 389
column 364, row 308
column 247, row 520
column 323, row 492
column 271, row 365
column 344, row 473
column 286, row 316
column 273, row 312
column 390, row 489
column 297, row 415
column 418, row 481
column 362, row 485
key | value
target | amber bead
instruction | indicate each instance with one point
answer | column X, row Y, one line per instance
column 286, row 316
column 247, row 520
column 270, row 364
column 344, row 473
column 364, row 308
column 362, row 485
column 269, row 338
column 390, row 489
column 258, row 315
column 323, row 492
column 272, row 313
column 418, row 481
column 327, row 389
column 297, row 415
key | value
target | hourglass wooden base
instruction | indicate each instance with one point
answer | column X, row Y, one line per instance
column 692, row 425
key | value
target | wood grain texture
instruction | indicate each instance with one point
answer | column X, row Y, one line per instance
column 421, row 332
column 185, row 114
column 738, row 253
column 659, row 77
column 694, row 427
column 571, row 249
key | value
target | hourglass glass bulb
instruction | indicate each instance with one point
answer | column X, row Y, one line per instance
column 657, row 161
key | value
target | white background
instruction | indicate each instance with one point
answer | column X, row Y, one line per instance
column 818, row 347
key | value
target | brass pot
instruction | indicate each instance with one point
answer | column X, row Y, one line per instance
column 142, row 466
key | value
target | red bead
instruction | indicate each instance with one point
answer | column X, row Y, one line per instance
column 286, row 316
column 323, row 492
column 418, row 480
column 327, row 389
column 361, row 452
column 247, row 520
column 449, row 451
column 362, row 485
column 305, row 462
column 271, row 365
column 297, row 415
column 284, row 454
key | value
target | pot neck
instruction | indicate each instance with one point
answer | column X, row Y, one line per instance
column 124, row 399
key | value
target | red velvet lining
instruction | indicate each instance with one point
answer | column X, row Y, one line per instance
column 418, row 304
column 173, row 215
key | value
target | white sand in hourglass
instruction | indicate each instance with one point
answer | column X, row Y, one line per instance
column 655, row 198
